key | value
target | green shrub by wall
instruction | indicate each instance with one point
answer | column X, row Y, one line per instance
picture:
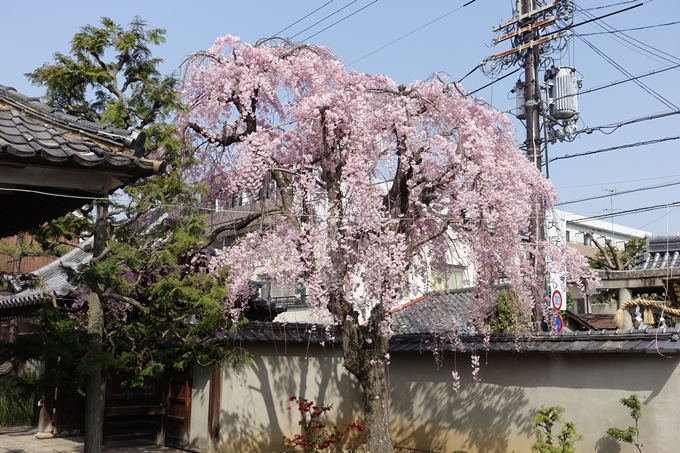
column 18, row 402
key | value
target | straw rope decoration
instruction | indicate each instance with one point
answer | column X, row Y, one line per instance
column 648, row 316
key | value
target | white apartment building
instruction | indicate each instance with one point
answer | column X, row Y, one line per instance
column 570, row 228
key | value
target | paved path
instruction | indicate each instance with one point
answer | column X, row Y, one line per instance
column 22, row 440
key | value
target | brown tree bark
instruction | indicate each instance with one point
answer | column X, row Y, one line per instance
column 368, row 362
column 376, row 410
column 94, row 383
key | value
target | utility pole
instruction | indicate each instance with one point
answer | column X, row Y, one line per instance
column 533, row 144
column 524, row 31
column 531, row 91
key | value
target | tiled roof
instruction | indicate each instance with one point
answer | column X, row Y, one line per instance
column 433, row 312
column 660, row 253
column 652, row 341
column 29, row 128
column 40, row 147
column 55, row 279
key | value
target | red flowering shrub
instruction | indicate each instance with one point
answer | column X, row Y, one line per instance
column 314, row 437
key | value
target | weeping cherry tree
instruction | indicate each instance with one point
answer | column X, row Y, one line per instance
column 374, row 185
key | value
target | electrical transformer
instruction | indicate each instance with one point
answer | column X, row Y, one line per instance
column 519, row 97
column 562, row 92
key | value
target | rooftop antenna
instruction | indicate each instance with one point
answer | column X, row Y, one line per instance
column 612, row 192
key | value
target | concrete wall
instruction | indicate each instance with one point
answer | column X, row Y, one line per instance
column 426, row 413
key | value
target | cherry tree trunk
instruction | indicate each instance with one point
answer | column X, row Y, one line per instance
column 376, row 414
column 368, row 363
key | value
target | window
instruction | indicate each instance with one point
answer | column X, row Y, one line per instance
column 453, row 278
column 276, row 292
column 568, row 235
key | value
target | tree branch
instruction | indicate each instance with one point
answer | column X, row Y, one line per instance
column 607, row 261
column 243, row 222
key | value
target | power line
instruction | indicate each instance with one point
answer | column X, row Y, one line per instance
column 621, row 36
column 318, row 22
column 632, row 211
column 630, row 79
column 471, row 71
column 656, row 220
column 245, row 211
column 609, row 6
column 615, row 126
column 497, row 80
column 623, row 192
column 614, row 148
column 630, row 29
column 651, row 92
column 411, row 32
column 617, row 182
column 303, row 18
column 335, row 23
column 593, row 18
column 57, row 195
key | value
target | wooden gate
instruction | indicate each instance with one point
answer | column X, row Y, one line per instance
column 69, row 413
column 132, row 413
column 178, row 414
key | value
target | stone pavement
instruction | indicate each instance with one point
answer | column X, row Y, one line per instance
column 23, row 440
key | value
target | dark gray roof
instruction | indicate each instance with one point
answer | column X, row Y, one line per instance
column 661, row 252
column 434, row 311
column 38, row 137
column 264, row 331
column 650, row 341
column 55, row 278
column 29, row 128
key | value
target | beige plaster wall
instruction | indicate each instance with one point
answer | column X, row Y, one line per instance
column 200, row 395
column 496, row 414
column 254, row 415
column 426, row 413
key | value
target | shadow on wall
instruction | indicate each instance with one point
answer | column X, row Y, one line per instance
column 254, row 415
column 496, row 414
column 608, row 445
column 427, row 414
column 575, row 371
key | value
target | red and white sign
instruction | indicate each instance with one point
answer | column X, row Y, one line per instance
column 557, row 299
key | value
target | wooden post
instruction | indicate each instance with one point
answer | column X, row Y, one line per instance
column 214, row 405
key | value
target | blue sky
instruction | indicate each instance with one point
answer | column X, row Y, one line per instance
column 454, row 44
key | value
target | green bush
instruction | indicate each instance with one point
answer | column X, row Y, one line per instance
column 546, row 440
column 18, row 402
column 631, row 435
column 508, row 316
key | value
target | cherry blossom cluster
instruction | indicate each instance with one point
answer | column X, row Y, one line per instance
column 374, row 181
